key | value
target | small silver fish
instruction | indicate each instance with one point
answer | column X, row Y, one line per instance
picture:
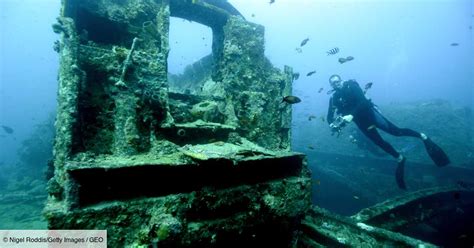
column 310, row 73
column 368, row 85
column 304, row 42
column 346, row 59
column 320, row 90
column 333, row 51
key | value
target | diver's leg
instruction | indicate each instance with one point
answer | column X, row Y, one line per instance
column 387, row 126
column 437, row 154
column 372, row 134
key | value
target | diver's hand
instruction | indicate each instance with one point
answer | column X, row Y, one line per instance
column 348, row 118
column 334, row 128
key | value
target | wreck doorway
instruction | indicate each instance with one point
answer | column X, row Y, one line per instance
column 190, row 56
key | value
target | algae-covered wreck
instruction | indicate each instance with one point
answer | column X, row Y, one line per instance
column 156, row 162
column 155, row 166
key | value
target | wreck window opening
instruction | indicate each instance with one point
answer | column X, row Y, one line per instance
column 100, row 30
column 190, row 56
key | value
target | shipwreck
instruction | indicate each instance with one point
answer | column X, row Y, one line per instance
column 161, row 160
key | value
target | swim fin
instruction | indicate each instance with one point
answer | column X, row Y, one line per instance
column 437, row 154
column 400, row 174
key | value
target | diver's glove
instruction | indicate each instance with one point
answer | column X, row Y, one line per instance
column 348, row 118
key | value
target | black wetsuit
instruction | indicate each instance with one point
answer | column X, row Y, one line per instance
column 350, row 100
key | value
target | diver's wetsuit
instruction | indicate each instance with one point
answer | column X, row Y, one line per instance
column 350, row 100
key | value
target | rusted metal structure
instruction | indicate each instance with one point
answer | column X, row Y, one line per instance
column 197, row 160
column 175, row 168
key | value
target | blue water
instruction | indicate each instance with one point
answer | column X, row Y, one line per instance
column 406, row 48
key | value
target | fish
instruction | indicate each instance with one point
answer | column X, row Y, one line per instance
column 323, row 119
column 346, row 59
column 7, row 129
column 253, row 15
column 454, row 44
column 298, row 50
column 329, row 92
column 368, row 85
column 296, row 75
column 291, row 99
column 311, row 147
column 356, row 197
column 310, row 73
column 271, row 1
column 333, row 51
column 311, row 117
column 304, row 42
column 320, row 90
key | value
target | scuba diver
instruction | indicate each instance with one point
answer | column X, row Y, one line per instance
column 350, row 102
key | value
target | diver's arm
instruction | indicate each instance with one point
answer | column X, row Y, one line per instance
column 331, row 110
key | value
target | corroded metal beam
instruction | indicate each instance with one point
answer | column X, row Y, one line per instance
column 324, row 229
column 212, row 13
column 399, row 212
